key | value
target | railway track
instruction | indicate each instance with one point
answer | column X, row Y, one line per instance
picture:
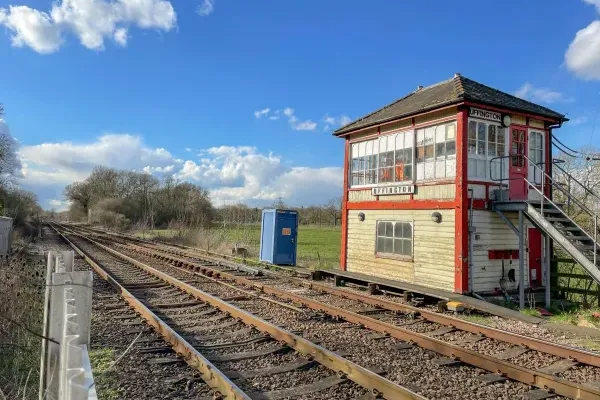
column 239, row 355
column 557, row 369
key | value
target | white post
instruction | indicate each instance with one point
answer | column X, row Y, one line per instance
column 547, row 263
column 521, row 261
column 69, row 324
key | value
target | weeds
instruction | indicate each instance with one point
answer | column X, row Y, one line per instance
column 22, row 281
column 101, row 360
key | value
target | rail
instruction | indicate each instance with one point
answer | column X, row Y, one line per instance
column 534, row 378
column 546, row 181
column 360, row 375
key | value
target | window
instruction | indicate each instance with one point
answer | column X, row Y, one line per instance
column 436, row 152
column 486, row 141
column 394, row 237
column 387, row 159
column 404, row 157
column 391, row 158
column 536, row 155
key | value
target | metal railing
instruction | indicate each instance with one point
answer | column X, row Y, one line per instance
column 548, row 181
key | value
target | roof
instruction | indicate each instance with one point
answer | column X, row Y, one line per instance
column 452, row 91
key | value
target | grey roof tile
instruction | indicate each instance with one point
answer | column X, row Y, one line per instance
column 455, row 90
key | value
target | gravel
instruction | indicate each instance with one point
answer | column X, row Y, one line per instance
column 200, row 326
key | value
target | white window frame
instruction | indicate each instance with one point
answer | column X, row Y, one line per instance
column 393, row 255
column 433, row 165
column 410, row 138
column 485, row 156
column 536, row 178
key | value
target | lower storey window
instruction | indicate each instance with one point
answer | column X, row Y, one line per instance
column 395, row 238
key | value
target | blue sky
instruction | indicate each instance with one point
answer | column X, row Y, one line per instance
column 134, row 84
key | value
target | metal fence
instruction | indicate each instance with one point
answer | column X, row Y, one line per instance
column 571, row 282
column 66, row 372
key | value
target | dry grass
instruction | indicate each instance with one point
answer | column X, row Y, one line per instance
column 318, row 247
column 21, row 302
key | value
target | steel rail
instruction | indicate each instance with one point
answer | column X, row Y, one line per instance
column 568, row 352
column 209, row 373
column 512, row 371
column 360, row 375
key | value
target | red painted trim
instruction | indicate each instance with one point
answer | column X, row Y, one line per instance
column 513, row 112
column 413, row 116
column 401, row 205
column 548, row 164
column 479, row 204
column 343, row 252
column 461, row 223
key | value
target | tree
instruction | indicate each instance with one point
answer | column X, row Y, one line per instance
column 333, row 210
column 586, row 170
column 9, row 161
column 279, row 203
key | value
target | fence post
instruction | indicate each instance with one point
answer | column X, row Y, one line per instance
column 66, row 375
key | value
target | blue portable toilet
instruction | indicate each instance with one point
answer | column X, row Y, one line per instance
column 278, row 236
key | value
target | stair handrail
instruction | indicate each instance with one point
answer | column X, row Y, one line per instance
column 551, row 181
column 556, row 162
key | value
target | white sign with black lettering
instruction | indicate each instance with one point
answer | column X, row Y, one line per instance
column 485, row 114
column 386, row 190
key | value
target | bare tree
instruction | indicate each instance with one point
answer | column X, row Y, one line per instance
column 333, row 210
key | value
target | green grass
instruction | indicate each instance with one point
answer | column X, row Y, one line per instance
column 101, row 360
column 318, row 247
column 477, row 319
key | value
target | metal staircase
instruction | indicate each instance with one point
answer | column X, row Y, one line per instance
column 571, row 219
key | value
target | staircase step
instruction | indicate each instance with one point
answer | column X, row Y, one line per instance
column 581, row 238
column 569, row 228
column 559, row 219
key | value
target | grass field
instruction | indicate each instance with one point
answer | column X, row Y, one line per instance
column 317, row 246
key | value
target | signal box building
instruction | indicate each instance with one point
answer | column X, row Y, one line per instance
column 422, row 175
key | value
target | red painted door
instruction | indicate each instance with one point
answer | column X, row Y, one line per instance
column 535, row 257
column 517, row 169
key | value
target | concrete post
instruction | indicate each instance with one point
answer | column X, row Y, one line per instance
column 521, row 261
column 80, row 283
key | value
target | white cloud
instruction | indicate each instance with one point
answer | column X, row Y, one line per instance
column 334, row 122
column 91, row 21
column 298, row 125
column 578, row 120
column 59, row 205
column 206, row 8
column 232, row 174
column 62, row 163
column 121, row 36
column 31, row 28
column 262, row 112
column 295, row 123
column 583, row 54
column 188, row 149
column 541, row 95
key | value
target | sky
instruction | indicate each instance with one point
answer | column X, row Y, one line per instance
column 241, row 97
